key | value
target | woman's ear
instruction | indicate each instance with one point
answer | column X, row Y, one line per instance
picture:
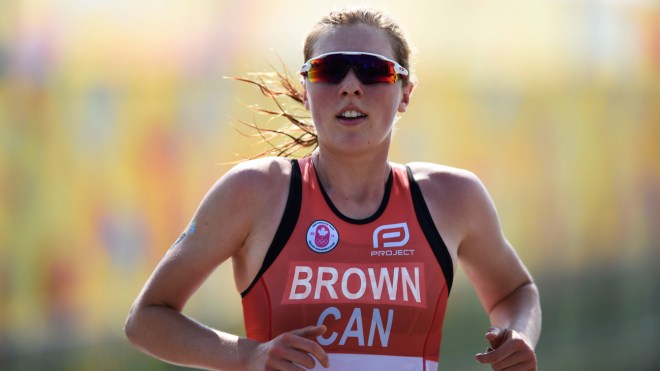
column 405, row 96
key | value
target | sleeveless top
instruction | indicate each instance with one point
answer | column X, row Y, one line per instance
column 379, row 285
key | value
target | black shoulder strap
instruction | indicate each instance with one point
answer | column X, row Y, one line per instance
column 430, row 231
column 287, row 224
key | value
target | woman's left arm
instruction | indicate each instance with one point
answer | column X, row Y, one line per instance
column 502, row 282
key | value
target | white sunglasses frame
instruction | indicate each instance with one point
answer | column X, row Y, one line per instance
column 400, row 70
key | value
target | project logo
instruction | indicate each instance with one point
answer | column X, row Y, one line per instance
column 391, row 235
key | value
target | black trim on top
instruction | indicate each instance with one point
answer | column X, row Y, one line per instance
column 287, row 224
column 430, row 231
column 378, row 213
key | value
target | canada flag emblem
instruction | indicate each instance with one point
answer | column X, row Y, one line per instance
column 322, row 236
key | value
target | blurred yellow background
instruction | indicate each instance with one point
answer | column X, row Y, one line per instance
column 115, row 119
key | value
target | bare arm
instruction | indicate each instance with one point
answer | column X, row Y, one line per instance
column 224, row 226
column 466, row 217
column 503, row 284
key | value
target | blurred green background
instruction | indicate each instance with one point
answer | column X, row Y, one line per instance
column 115, row 119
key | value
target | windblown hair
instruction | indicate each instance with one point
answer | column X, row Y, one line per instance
column 299, row 133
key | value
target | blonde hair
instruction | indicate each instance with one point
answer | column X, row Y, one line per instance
column 299, row 134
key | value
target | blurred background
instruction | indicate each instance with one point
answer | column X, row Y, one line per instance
column 115, row 120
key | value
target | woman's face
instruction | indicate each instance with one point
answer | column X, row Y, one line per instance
column 376, row 105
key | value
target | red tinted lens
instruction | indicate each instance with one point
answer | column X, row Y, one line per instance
column 373, row 70
column 331, row 69
column 369, row 69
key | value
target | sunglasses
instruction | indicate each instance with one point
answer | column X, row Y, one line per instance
column 370, row 68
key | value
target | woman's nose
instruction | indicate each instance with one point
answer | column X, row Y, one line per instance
column 350, row 85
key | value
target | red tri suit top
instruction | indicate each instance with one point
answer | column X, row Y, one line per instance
column 379, row 285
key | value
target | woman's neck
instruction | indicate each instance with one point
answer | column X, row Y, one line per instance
column 355, row 184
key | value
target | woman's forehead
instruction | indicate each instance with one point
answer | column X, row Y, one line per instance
column 355, row 37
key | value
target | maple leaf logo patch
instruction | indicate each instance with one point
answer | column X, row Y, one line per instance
column 322, row 236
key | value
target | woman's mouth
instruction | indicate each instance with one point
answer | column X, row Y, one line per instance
column 351, row 115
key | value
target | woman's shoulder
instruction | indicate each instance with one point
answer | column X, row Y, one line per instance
column 448, row 184
column 259, row 172
column 254, row 180
column 437, row 175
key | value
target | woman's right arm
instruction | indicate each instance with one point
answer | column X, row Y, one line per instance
column 219, row 230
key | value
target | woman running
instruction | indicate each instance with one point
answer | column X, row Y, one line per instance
column 343, row 259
